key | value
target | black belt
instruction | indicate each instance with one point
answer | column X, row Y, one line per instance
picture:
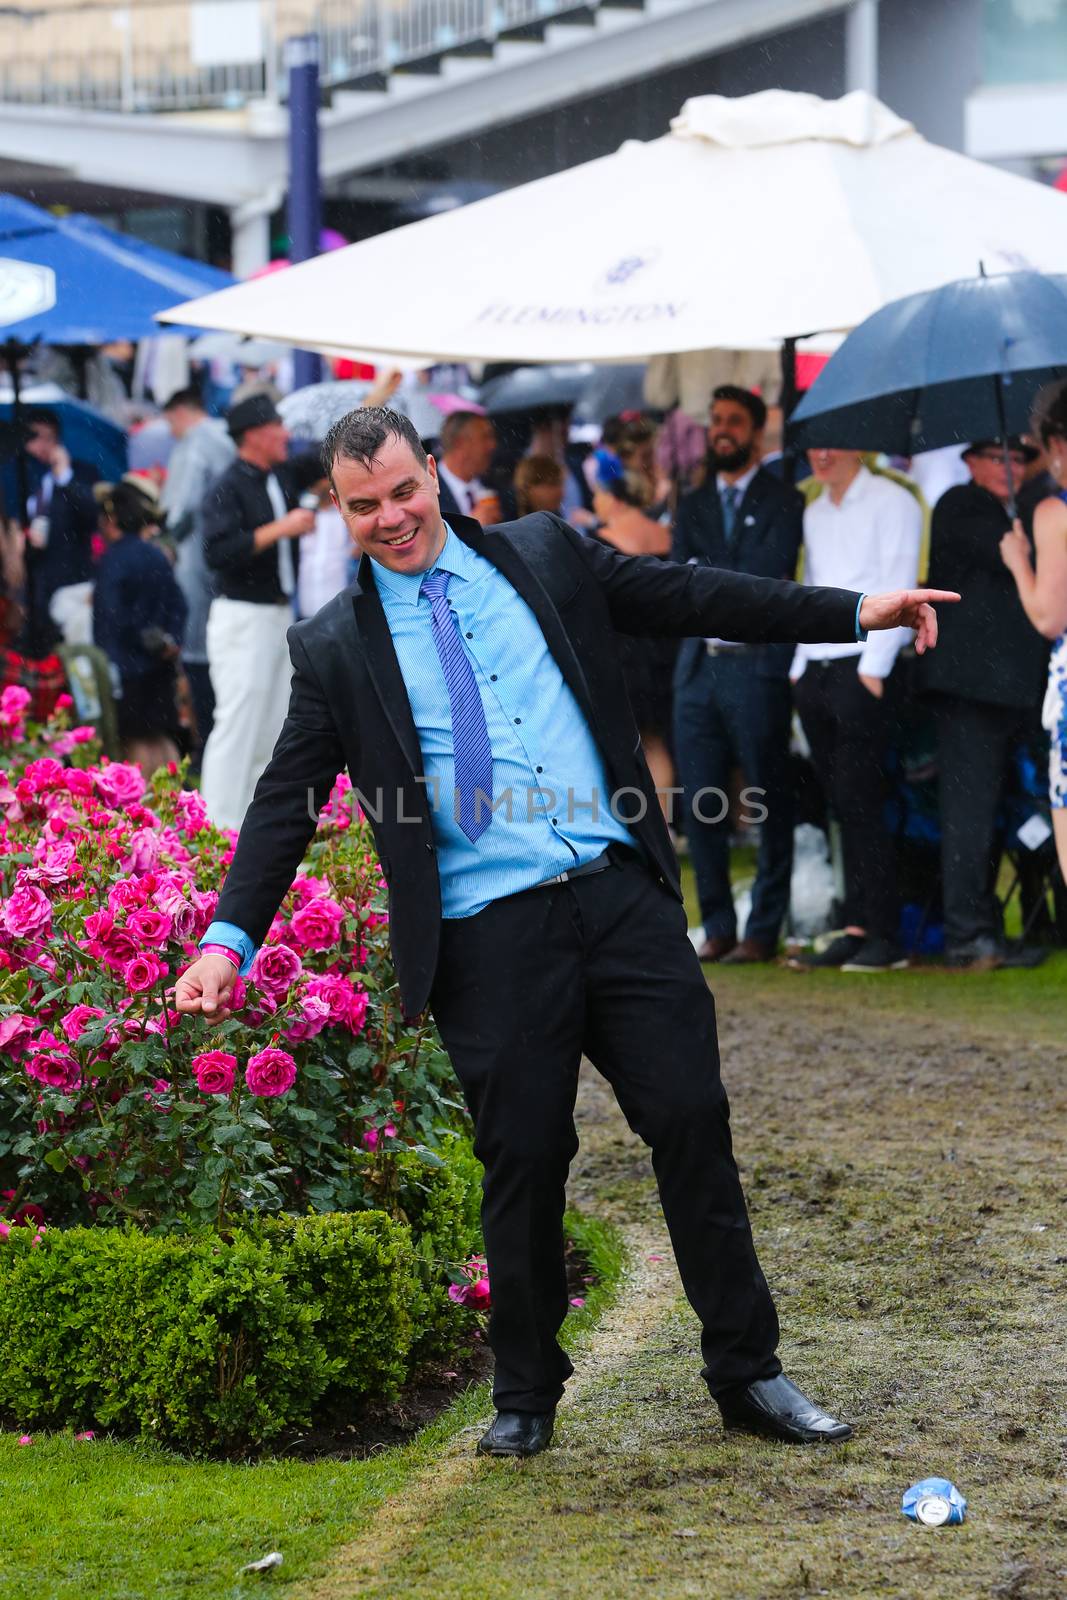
column 613, row 856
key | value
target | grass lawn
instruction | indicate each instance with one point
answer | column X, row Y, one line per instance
column 902, row 1141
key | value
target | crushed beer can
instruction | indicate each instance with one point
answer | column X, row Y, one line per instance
column 935, row 1502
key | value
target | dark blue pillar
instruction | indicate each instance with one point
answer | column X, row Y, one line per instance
column 305, row 199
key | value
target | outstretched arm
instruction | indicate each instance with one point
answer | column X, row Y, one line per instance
column 662, row 597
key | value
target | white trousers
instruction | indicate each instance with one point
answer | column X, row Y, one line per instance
column 250, row 672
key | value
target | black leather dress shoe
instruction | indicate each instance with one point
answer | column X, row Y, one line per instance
column 517, row 1433
column 777, row 1408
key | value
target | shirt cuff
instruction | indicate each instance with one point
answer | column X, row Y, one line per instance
column 861, row 633
column 234, row 939
column 61, row 479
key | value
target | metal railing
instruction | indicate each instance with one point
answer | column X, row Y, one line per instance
column 190, row 55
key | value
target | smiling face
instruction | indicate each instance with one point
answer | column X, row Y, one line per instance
column 391, row 507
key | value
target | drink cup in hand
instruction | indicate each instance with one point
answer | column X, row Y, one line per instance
column 37, row 532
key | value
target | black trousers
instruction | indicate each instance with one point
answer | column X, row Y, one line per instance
column 600, row 965
column 726, row 716
column 974, row 745
column 848, row 731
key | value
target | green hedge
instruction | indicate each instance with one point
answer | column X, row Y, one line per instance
column 220, row 1344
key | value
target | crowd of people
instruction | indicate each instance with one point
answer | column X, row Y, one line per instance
column 188, row 581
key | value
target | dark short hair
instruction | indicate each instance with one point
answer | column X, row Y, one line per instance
column 42, row 417
column 360, row 434
column 1053, row 422
column 753, row 403
column 190, row 397
column 128, row 508
column 456, row 424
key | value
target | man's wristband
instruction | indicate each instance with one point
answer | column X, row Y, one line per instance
column 221, row 950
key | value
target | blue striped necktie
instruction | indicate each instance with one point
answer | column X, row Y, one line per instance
column 471, row 750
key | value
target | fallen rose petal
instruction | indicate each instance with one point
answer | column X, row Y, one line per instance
column 576, row 1300
column 25, row 1439
column 84, row 1438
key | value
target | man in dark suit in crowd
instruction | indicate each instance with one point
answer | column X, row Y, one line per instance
column 468, row 440
column 63, row 517
column 732, row 705
column 986, row 683
column 470, row 679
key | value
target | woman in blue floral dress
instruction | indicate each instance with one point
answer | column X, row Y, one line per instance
column 1043, row 593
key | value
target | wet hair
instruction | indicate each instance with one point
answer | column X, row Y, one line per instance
column 360, row 434
column 129, row 509
column 753, row 403
column 1053, row 424
column 533, row 472
column 190, row 397
column 455, row 426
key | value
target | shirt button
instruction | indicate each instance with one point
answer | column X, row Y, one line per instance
column 555, row 822
column 518, row 719
column 470, row 636
column 492, row 677
column 540, row 769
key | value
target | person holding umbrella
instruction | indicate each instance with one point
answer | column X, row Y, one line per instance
column 984, row 689
column 1043, row 594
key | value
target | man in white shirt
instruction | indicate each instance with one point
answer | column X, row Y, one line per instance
column 468, row 440
column 863, row 531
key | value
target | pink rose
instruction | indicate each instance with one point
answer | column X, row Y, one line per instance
column 78, row 1019
column 475, row 1296
column 98, row 925
column 52, row 860
column 214, row 1072
column 125, row 895
column 143, row 850
column 191, row 812
column 26, row 912
column 119, row 784
column 308, row 1018
column 15, row 1033
column 317, row 925
column 272, row 1072
column 54, row 1066
column 44, row 774
column 348, row 1005
column 143, row 971
column 149, row 927
column 118, row 949
column 276, row 968
column 14, row 700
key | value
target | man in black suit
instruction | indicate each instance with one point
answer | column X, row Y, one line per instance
column 470, row 679
column 732, row 703
column 468, row 440
column 63, row 518
column 986, row 687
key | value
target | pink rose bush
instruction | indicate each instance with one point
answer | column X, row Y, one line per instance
column 115, row 1109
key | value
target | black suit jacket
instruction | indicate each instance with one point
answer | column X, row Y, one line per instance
column 449, row 508
column 72, row 515
column 768, row 535
column 986, row 648
column 349, row 708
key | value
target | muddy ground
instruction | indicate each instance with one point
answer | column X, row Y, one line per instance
column 902, row 1140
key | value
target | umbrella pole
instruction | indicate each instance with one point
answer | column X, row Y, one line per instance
column 998, row 385
column 789, row 400
column 12, row 351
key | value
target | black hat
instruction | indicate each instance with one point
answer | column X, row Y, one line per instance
column 255, row 412
column 1020, row 446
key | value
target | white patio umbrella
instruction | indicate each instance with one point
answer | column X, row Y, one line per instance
column 754, row 220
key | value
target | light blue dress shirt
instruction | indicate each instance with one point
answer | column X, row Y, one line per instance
column 551, row 795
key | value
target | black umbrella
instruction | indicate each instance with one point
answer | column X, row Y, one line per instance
column 963, row 362
column 595, row 392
